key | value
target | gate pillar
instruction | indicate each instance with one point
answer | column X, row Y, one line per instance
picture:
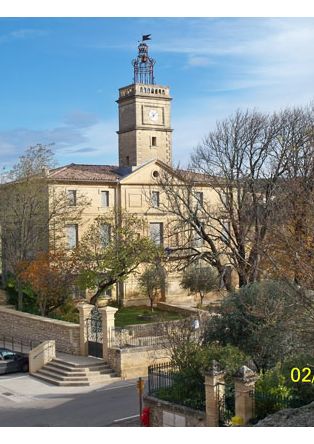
column 84, row 312
column 108, row 314
column 244, row 382
column 214, row 393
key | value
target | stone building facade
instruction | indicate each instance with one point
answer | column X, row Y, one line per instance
column 145, row 152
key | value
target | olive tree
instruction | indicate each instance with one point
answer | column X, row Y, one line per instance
column 152, row 282
column 200, row 280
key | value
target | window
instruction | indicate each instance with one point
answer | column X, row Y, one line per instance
column 174, row 239
column 104, row 198
column 128, row 160
column 225, row 231
column 72, row 235
column 71, row 194
column 155, row 199
column 154, row 141
column 156, row 232
column 197, row 241
column 200, row 198
column 105, row 234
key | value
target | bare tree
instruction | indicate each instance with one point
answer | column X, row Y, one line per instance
column 244, row 161
column 289, row 251
column 32, row 214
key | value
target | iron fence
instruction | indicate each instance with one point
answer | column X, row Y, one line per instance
column 18, row 344
column 266, row 404
column 160, row 376
column 152, row 334
column 166, row 382
column 134, row 336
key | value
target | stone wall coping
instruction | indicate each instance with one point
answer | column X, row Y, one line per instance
column 38, row 318
column 165, row 305
column 180, row 408
column 137, row 349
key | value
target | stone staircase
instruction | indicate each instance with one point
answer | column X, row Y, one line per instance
column 69, row 374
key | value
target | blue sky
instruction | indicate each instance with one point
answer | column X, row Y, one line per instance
column 59, row 77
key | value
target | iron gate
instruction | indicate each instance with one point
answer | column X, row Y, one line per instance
column 226, row 404
column 94, row 333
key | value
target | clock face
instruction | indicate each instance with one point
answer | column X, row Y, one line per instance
column 153, row 115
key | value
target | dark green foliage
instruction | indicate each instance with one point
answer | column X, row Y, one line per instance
column 192, row 361
column 275, row 390
column 67, row 312
column 29, row 297
column 301, row 390
column 260, row 319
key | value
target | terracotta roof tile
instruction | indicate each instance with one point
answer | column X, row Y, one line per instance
column 90, row 173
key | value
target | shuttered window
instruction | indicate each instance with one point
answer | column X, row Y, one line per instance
column 105, row 234
column 71, row 194
column 156, row 232
column 72, row 235
column 105, row 199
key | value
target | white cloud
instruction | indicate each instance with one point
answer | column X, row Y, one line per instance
column 22, row 34
column 82, row 137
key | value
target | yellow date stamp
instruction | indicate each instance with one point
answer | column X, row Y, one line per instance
column 305, row 375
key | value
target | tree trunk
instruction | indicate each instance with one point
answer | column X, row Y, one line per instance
column 151, row 299
column 19, row 296
column 242, row 279
column 202, row 297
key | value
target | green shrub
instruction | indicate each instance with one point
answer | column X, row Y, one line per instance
column 260, row 319
column 67, row 312
column 192, row 361
column 275, row 390
column 29, row 298
column 301, row 390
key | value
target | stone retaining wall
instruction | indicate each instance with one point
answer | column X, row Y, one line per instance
column 29, row 327
column 165, row 414
column 177, row 309
column 133, row 362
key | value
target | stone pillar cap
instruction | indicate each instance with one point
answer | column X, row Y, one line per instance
column 215, row 369
column 84, row 305
column 245, row 374
column 108, row 309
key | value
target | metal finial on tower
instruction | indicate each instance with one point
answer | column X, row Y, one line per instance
column 143, row 64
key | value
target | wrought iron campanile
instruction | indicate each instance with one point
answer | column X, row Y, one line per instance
column 143, row 64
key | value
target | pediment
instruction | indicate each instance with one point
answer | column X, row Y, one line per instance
column 147, row 174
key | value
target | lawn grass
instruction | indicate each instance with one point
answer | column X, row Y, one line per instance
column 130, row 315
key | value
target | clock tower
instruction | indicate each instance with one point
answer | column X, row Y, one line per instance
column 144, row 115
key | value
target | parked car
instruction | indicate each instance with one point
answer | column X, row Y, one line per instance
column 11, row 362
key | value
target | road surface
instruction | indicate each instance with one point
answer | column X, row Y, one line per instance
column 28, row 402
